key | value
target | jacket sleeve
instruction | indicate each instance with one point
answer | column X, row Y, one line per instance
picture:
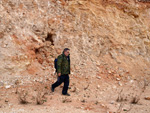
column 59, row 61
column 69, row 65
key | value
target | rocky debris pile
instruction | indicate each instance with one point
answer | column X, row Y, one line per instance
column 106, row 34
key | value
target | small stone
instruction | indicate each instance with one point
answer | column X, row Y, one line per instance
column 114, row 87
column 147, row 98
column 102, row 105
column 8, row 86
column 118, row 79
column 73, row 89
column 98, row 77
column 131, row 81
column 83, row 101
column 109, row 72
column 120, row 84
column 6, row 100
column 66, row 100
column 98, row 86
column 112, row 102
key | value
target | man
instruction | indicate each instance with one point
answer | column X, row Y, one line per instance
column 63, row 71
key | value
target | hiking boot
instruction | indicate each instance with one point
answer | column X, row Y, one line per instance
column 52, row 89
column 67, row 94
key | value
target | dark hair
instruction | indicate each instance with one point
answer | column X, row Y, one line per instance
column 65, row 49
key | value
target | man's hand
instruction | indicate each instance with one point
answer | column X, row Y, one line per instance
column 59, row 74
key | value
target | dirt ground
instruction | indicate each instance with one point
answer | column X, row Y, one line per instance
column 88, row 95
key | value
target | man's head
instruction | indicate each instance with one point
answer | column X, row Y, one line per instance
column 66, row 51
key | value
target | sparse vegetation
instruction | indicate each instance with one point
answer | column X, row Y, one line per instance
column 23, row 97
column 40, row 99
column 36, row 94
column 134, row 99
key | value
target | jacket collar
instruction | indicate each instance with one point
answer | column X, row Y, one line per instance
column 65, row 55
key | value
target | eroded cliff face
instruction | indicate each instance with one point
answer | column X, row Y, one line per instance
column 106, row 37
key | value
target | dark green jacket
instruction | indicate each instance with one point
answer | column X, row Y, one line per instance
column 63, row 65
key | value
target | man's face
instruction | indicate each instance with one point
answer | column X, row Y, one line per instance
column 67, row 52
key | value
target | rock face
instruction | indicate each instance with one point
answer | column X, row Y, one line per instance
column 105, row 37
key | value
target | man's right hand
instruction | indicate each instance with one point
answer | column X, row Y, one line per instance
column 59, row 74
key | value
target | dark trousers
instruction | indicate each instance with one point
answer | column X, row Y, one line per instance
column 60, row 79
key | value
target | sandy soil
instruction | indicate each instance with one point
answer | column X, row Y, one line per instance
column 88, row 95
